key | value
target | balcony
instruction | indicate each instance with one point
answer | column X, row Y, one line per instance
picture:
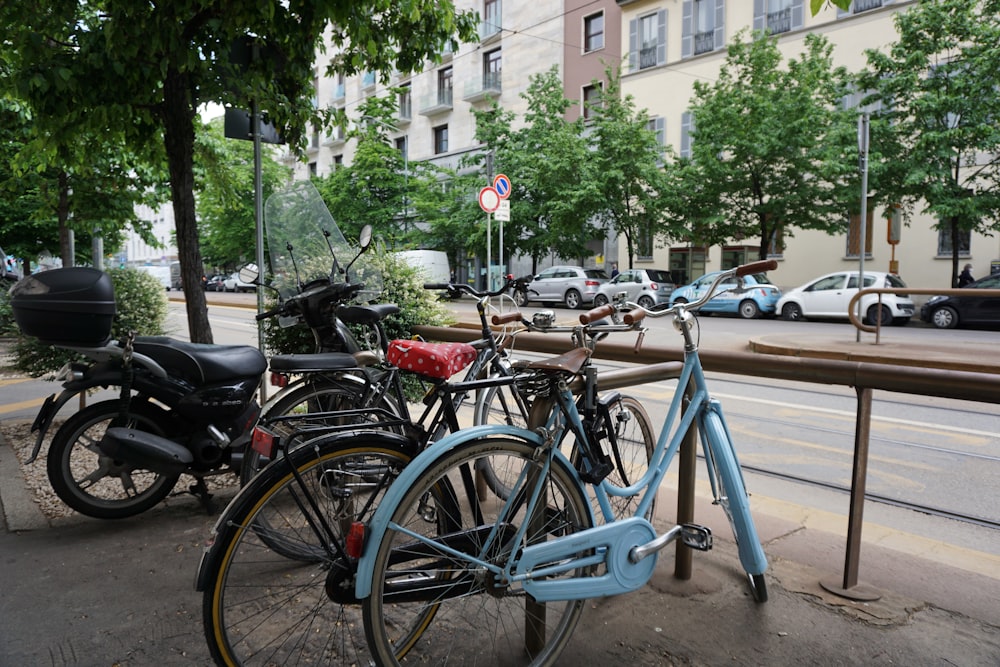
column 336, row 139
column 489, row 29
column 488, row 88
column 437, row 103
column 864, row 5
column 368, row 81
column 647, row 56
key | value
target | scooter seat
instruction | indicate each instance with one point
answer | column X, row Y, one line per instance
column 202, row 363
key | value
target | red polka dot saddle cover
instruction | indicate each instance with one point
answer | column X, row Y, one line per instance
column 436, row 360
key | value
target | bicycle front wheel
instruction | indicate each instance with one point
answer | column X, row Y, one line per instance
column 631, row 440
column 480, row 617
column 262, row 607
column 735, row 502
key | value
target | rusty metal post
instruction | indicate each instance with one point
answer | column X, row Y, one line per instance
column 686, row 468
column 862, row 432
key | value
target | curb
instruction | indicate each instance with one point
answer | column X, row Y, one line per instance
column 20, row 512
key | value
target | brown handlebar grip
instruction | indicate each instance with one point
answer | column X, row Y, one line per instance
column 634, row 316
column 513, row 316
column 757, row 267
column 596, row 313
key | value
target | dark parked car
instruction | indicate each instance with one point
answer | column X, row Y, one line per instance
column 948, row 312
column 216, row 283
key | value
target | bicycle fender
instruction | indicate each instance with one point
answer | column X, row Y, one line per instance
column 380, row 521
column 297, row 384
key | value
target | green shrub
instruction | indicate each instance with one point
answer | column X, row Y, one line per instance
column 7, row 325
column 141, row 305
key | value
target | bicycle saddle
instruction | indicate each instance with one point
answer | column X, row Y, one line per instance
column 569, row 362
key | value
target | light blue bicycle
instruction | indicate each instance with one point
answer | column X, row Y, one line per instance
column 452, row 575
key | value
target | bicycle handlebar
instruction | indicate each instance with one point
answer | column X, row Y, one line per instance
column 508, row 283
column 596, row 314
column 506, row 318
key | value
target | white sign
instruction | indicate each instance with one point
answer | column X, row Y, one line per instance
column 489, row 199
column 503, row 211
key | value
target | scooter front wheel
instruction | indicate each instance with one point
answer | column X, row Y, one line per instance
column 97, row 485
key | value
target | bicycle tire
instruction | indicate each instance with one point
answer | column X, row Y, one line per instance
column 478, row 618
column 261, row 608
column 94, row 484
column 320, row 394
column 735, row 502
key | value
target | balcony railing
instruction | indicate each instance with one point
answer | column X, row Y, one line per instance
column 368, row 80
column 647, row 56
column 486, row 89
column 489, row 28
column 704, row 42
column 779, row 21
column 436, row 103
column 405, row 112
column 339, row 93
column 865, row 5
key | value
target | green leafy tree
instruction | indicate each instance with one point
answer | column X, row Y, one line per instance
column 628, row 181
column 935, row 134
column 226, row 215
column 772, row 150
column 546, row 158
column 142, row 70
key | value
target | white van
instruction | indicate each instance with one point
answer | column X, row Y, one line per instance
column 161, row 273
column 433, row 264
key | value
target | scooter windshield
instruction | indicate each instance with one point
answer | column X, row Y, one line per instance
column 306, row 245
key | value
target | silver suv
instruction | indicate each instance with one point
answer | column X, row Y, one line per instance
column 646, row 287
column 574, row 286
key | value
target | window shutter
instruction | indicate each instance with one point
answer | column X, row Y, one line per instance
column 661, row 36
column 687, row 38
column 720, row 24
column 759, row 20
column 687, row 125
column 633, row 45
column 797, row 14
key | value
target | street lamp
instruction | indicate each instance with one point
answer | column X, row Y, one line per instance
column 406, row 166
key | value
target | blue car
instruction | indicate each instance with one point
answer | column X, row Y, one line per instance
column 757, row 298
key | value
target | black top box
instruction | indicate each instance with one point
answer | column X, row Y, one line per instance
column 71, row 307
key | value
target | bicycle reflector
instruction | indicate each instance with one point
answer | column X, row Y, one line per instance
column 279, row 380
column 355, row 539
column 263, row 442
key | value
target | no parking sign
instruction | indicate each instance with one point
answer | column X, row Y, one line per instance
column 502, row 185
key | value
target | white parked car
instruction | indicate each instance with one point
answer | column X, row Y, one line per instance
column 828, row 297
column 234, row 284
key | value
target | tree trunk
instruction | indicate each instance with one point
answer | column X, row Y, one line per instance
column 178, row 122
column 955, row 250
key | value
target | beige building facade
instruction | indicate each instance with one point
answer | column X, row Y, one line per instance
column 670, row 44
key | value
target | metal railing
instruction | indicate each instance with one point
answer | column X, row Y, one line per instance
column 877, row 327
column 659, row 363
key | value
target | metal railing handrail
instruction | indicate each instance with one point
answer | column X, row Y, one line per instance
column 863, row 376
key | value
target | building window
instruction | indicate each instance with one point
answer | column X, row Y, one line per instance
column 591, row 99
column 593, row 32
column 491, row 17
column 658, row 127
column 644, row 244
column 405, row 101
column 440, row 139
column 402, row 145
column 944, row 242
column 687, row 129
column 445, row 83
column 492, row 67
column 854, row 235
column 338, row 161
column 777, row 16
column 647, row 41
column 312, row 169
column 702, row 26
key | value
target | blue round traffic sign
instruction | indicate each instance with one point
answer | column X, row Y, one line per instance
column 502, row 185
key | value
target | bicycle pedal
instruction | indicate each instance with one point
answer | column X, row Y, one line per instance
column 696, row 537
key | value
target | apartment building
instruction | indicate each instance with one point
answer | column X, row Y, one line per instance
column 669, row 44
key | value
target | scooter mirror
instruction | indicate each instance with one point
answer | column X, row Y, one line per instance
column 249, row 273
column 366, row 236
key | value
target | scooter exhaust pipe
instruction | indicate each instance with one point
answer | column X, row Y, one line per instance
column 146, row 450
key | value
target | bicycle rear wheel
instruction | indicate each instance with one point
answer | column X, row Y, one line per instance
column 261, row 607
column 480, row 618
column 634, row 441
column 733, row 498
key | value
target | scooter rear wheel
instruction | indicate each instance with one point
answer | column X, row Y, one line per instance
column 97, row 485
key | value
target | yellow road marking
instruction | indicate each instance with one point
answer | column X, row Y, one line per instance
column 21, row 405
